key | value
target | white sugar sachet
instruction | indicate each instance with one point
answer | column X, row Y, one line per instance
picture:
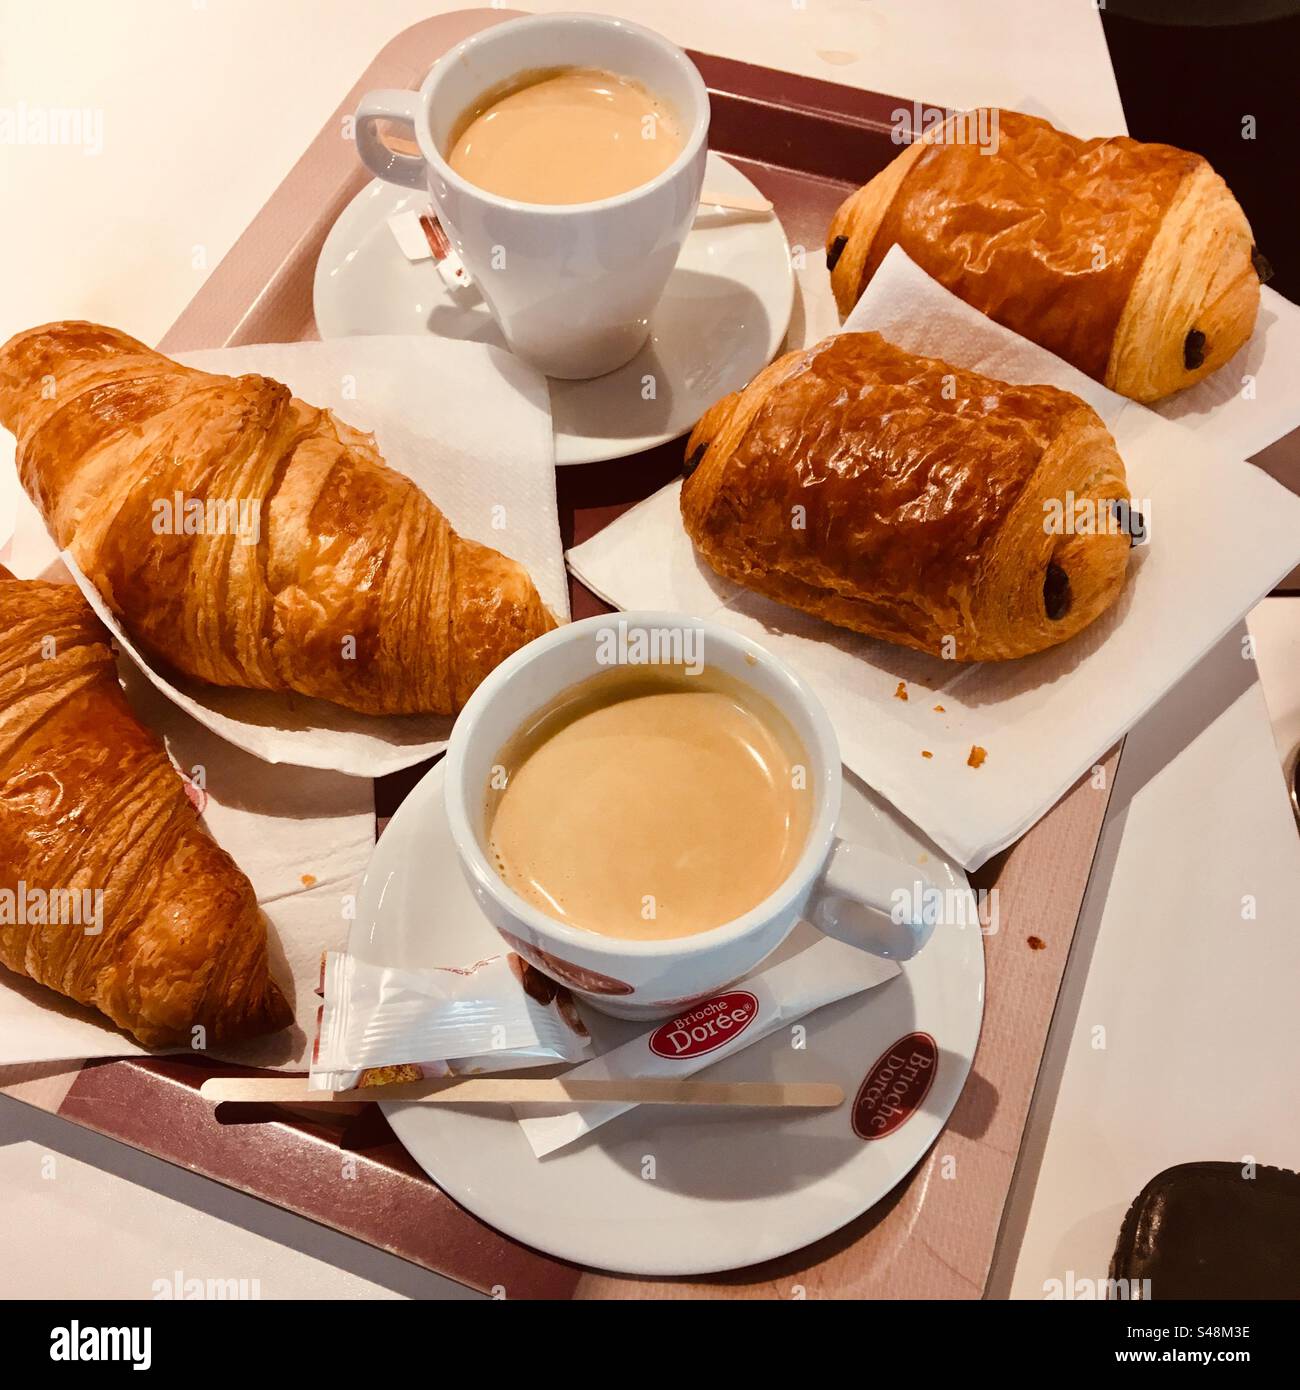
column 495, row 1014
column 707, row 1032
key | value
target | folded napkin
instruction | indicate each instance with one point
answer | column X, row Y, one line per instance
column 1222, row 533
column 472, row 426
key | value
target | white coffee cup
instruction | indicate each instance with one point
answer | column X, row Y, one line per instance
column 571, row 286
column 846, row 890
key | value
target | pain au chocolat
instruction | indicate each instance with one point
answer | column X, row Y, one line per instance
column 910, row 500
column 1131, row 261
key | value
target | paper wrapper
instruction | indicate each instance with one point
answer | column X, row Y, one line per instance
column 472, row 426
column 379, row 1024
column 717, row 1028
column 1222, row 533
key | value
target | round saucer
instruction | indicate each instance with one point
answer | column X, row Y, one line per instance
column 723, row 316
column 729, row 1189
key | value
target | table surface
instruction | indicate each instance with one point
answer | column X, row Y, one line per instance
column 205, row 105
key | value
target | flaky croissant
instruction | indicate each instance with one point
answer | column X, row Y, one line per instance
column 1131, row 261
column 907, row 499
column 110, row 891
column 250, row 539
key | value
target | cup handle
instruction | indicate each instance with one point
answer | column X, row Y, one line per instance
column 402, row 108
column 854, row 901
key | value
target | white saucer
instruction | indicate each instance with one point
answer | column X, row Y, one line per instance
column 723, row 316
column 729, row 1188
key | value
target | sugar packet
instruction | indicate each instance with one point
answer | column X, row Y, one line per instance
column 378, row 1024
column 707, row 1032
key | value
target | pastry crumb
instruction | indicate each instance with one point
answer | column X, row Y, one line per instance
column 977, row 756
column 1036, row 943
column 939, row 709
column 925, row 753
column 901, row 692
column 750, row 659
column 308, row 880
column 388, row 1076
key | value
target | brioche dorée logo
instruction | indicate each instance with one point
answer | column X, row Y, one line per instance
column 895, row 1087
column 706, row 1027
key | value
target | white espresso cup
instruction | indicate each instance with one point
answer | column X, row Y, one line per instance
column 571, row 286
column 846, row 890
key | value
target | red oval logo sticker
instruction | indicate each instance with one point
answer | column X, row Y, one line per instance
column 893, row 1090
column 707, row 1026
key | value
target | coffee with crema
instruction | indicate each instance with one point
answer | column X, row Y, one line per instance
column 565, row 135
column 651, row 803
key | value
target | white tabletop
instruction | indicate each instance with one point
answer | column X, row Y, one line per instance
column 207, row 104
column 203, row 106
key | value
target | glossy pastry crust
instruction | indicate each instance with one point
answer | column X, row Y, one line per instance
column 89, row 801
column 334, row 576
column 906, row 499
column 1131, row 261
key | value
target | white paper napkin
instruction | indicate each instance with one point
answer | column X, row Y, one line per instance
column 472, row 426
column 1222, row 533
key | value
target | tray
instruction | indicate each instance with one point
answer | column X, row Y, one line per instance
column 805, row 143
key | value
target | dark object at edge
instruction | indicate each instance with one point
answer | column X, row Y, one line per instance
column 1202, row 1230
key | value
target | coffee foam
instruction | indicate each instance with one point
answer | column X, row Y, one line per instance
column 564, row 136
column 650, row 804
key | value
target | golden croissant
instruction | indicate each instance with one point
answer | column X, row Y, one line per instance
column 110, row 891
column 250, row 539
column 1131, row 261
column 910, row 500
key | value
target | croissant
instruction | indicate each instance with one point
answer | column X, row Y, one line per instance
column 110, row 891
column 1131, row 261
column 250, row 539
column 910, row 500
